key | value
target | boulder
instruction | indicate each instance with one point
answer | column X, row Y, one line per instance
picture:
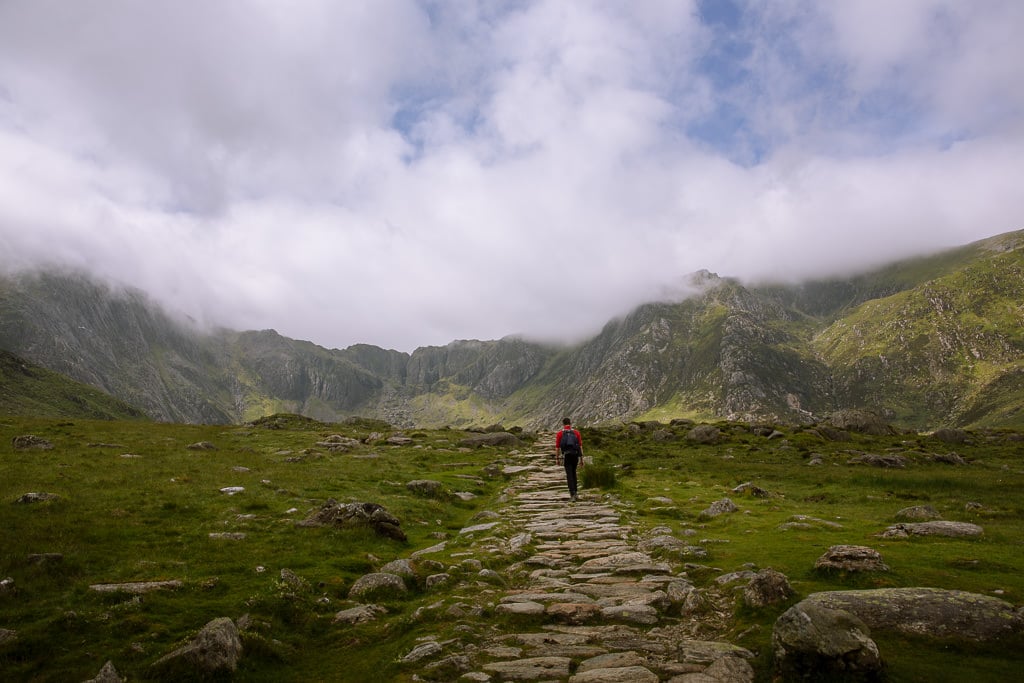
column 372, row 515
column 708, row 434
column 215, row 649
column 490, row 439
column 36, row 497
column 749, row 487
column 918, row 513
column 851, row 558
column 622, row 674
column 947, row 435
column 874, row 460
column 768, row 587
column 28, row 442
column 531, row 669
column 860, row 421
column 360, row 614
column 378, row 584
column 428, row 488
column 934, row 528
column 719, row 507
column 814, row 642
column 928, row 612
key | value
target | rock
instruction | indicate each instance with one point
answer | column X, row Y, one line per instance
column 918, row 513
column 293, row 580
column 708, row 434
column 625, row 563
column 612, row 660
column 232, row 490
column 814, row 642
column 935, row 528
column 662, row 542
column 136, row 587
column 831, row 433
column 7, row 636
column 928, row 612
column 336, row 443
column 398, row 440
column 422, row 651
column 806, row 522
column 622, row 674
column 873, row 460
column 749, row 487
column 527, row 608
column 947, row 435
column 573, row 613
column 720, row 507
column 29, row 442
column 426, row 487
column 663, row 435
column 360, row 614
column 378, row 584
column 860, row 421
column 217, row 648
column 107, row 674
column 490, row 439
column 435, row 580
column 45, row 558
column 532, row 669
column 768, row 587
column 333, row 513
column 401, row 567
column 632, row 614
column 36, row 497
column 730, row 669
column 201, row 446
column 948, row 459
column 851, row 558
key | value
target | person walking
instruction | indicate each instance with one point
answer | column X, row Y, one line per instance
column 569, row 450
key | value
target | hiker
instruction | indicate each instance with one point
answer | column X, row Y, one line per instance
column 569, row 450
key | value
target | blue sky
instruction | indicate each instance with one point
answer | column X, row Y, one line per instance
column 408, row 173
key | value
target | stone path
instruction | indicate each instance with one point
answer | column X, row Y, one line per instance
column 589, row 602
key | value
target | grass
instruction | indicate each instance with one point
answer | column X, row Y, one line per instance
column 150, row 518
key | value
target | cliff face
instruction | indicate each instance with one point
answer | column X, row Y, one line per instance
column 926, row 342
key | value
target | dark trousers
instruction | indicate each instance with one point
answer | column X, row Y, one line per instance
column 571, row 460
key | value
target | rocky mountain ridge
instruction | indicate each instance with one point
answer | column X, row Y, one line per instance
column 927, row 342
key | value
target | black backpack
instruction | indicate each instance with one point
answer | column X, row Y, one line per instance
column 569, row 443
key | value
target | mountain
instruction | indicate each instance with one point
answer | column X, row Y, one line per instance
column 926, row 342
column 29, row 390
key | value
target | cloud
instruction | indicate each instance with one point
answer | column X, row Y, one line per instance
column 408, row 173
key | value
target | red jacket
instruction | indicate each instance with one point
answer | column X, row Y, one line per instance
column 558, row 439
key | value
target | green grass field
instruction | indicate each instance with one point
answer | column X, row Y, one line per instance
column 149, row 518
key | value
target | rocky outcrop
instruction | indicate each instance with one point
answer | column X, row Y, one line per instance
column 371, row 515
column 29, row 442
column 934, row 528
column 851, row 558
column 216, row 649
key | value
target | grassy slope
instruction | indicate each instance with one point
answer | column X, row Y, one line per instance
column 149, row 518
column 27, row 389
column 938, row 349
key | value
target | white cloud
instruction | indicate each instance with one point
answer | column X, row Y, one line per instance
column 407, row 173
